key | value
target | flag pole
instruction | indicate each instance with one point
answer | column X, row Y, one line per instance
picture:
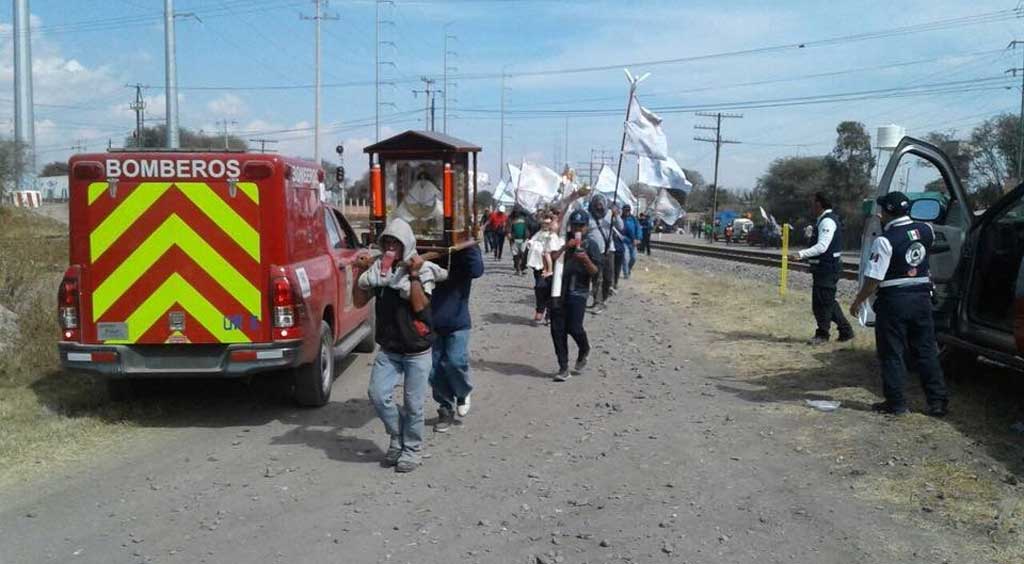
column 625, row 124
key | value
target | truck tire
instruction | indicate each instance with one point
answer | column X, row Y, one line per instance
column 369, row 344
column 313, row 381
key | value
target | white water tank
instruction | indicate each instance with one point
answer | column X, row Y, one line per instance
column 889, row 136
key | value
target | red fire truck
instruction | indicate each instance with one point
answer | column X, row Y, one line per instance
column 218, row 264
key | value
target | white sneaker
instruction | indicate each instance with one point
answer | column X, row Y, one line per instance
column 463, row 408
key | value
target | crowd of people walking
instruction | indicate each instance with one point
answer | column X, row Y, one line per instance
column 422, row 308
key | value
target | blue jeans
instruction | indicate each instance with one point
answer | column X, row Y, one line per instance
column 449, row 378
column 629, row 259
column 405, row 425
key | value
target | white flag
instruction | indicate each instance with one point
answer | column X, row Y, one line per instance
column 644, row 136
column 538, row 185
column 666, row 208
column 664, row 173
column 503, row 194
column 605, row 186
column 513, row 175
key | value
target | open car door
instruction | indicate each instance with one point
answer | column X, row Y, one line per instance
column 993, row 314
column 922, row 170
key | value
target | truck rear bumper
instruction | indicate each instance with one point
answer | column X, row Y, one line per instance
column 157, row 361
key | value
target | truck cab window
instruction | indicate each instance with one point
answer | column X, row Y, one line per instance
column 334, row 237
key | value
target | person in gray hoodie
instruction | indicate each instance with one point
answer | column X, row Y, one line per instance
column 401, row 281
column 602, row 222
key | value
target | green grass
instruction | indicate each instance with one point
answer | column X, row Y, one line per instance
column 46, row 417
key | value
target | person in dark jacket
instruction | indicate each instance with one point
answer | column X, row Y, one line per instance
column 582, row 258
column 401, row 281
column 449, row 377
column 646, row 226
column 486, row 226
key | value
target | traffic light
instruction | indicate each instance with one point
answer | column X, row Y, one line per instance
column 339, row 174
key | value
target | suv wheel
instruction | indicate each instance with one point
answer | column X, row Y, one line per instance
column 313, row 381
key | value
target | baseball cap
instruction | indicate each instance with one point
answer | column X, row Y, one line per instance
column 894, row 203
column 579, row 217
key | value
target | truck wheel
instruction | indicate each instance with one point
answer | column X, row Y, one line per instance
column 369, row 344
column 120, row 389
column 313, row 381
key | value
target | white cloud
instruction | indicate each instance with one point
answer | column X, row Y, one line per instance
column 228, row 105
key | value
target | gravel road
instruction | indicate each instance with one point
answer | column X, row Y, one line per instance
column 643, row 459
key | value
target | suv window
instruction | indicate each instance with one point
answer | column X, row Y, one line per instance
column 1000, row 249
column 348, row 236
column 334, row 237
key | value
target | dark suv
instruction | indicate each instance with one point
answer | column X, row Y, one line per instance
column 975, row 261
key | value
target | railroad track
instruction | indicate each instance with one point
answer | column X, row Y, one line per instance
column 849, row 271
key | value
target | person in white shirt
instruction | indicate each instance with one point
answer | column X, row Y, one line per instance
column 825, row 259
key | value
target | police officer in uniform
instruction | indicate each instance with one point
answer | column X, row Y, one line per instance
column 825, row 258
column 898, row 273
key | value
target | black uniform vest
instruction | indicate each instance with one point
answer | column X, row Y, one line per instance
column 908, row 266
column 829, row 261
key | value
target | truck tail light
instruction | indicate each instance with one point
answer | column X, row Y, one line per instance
column 284, row 309
column 68, row 300
column 449, row 207
column 377, row 191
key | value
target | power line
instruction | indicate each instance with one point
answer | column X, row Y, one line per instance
column 935, row 25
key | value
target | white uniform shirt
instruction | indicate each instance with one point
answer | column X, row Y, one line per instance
column 826, row 231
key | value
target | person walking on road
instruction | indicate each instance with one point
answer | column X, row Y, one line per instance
column 488, row 232
column 449, row 376
column 498, row 222
column 631, row 236
column 645, row 233
column 825, row 258
column 518, row 233
column 600, row 231
column 897, row 273
column 582, row 258
column 401, row 281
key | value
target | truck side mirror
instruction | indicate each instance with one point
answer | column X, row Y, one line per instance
column 926, row 210
column 365, row 238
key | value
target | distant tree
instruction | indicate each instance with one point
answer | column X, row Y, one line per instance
column 786, row 187
column 55, row 168
column 484, row 199
column 360, row 189
column 154, row 137
column 848, row 180
column 695, row 178
column 956, row 150
column 993, row 149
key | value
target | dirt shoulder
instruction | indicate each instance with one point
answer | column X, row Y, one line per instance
column 667, row 450
column 960, row 474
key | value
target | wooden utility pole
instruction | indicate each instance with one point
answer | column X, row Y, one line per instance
column 718, row 141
